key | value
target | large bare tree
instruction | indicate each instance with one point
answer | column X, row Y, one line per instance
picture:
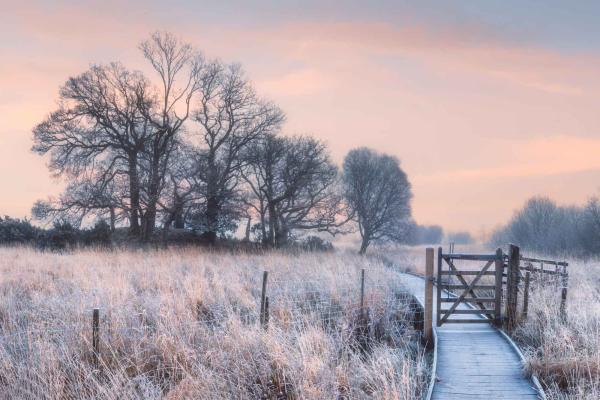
column 378, row 194
column 98, row 130
column 292, row 182
column 230, row 116
column 179, row 68
column 113, row 122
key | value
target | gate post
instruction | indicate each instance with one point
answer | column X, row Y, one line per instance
column 428, row 317
column 498, row 289
column 439, row 289
column 512, row 286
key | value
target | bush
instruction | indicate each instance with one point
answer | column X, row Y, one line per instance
column 315, row 243
column 60, row 237
column 17, row 231
column 100, row 235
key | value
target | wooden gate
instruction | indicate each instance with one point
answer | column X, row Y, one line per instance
column 479, row 286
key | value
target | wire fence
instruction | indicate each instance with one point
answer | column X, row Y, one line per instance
column 280, row 304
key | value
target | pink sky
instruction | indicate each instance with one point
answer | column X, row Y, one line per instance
column 480, row 123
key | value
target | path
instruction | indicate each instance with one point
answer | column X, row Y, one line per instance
column 474, row 360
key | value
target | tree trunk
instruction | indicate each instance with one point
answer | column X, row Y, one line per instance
column 212, row 201
column 273, row 224
column 212, row 219
column 363, row 246
column 179, row 223
column 112, row 219
column 248, row 226
column 134, row 196
column 153, row 194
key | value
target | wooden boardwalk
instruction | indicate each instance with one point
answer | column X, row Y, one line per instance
column 474, row 361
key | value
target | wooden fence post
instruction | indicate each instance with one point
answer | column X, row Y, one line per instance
column 526, row 295
column 263, row 300
column 499, row 267
column 266, row 318
column 428, row 317
column 362, row 291
column 563, row 296
column 439, row 295
column 512, row 286
column 96, row 337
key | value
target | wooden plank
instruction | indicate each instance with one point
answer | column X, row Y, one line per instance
column 471, row 300
column 559, row 263
column 482, row 287
column 469, row 272
column 469, row 257
column 467, row 321
column 471, row 311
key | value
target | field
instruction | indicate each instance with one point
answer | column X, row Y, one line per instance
column 183, row 323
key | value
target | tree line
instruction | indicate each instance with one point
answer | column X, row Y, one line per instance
column 544, row 227
column 193, row 146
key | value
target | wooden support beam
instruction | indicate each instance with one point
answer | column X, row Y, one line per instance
column 526, row 295
column 439, row 289
column 499, row 266
column 428, row 312
column 512, row 286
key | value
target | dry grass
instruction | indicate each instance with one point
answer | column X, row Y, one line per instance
column 565, row 354
column 180, row 324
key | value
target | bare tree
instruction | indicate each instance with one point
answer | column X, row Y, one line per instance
column 378, row 194
column 293, row 187
column 98, row 130
column 113, row 121
column 230, row 116
column 179, row 68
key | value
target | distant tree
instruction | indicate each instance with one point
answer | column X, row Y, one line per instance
column 230, row 116
column 460, row 238
column 378, row 194
column 544, row 227
column 292, row 184
column 425, row 234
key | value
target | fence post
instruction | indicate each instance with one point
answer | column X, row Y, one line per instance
column 499, row 267
column 563, row 296
column 428, row 317
column 512, row 286
column 263, row 299
column 362, row 291
column 526, row 295
column 439, row 287
column 96, row 337
column 266, row 318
